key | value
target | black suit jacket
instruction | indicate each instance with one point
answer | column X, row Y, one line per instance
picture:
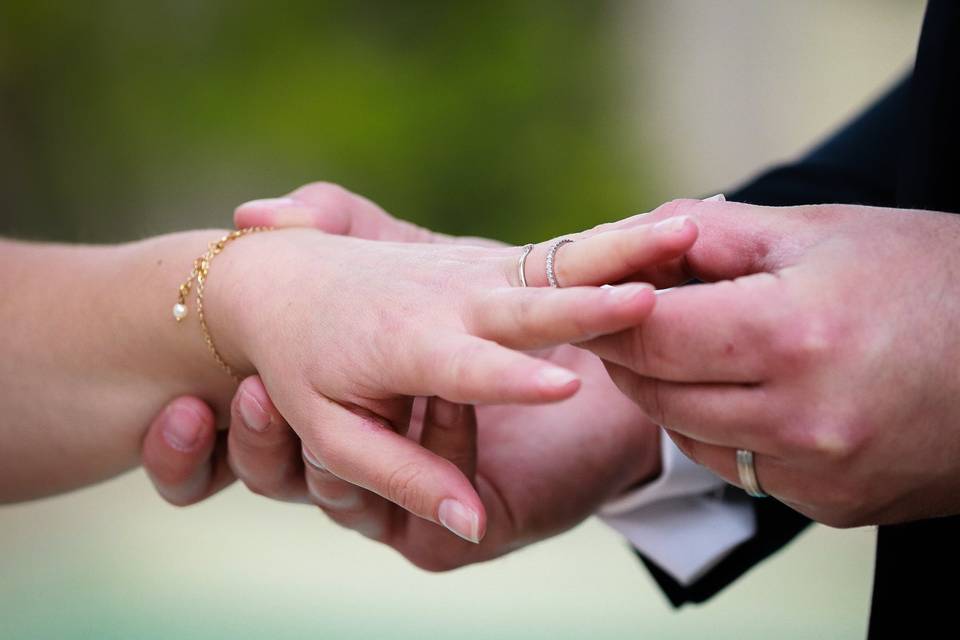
column 902, row 152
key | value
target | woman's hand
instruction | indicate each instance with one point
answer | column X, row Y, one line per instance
column 349, row 418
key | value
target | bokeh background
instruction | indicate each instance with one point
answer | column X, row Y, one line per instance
column 517, row 120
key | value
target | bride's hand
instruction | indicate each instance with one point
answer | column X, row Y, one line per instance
column 345, row 332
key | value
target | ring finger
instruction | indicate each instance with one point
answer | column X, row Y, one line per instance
column 774, row 475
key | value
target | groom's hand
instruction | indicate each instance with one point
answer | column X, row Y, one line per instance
column 827, row 344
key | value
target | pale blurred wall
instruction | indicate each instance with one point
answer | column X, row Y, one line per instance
column 731, row 87
column 722, row 88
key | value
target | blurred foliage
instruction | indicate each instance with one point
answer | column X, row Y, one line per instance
column 123, row 118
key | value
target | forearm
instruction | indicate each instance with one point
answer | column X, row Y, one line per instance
column 91, row 354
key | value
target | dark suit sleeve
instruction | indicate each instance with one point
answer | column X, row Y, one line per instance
column 857, row 165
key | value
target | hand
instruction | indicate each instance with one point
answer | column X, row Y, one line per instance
column 541, row 470
column 826, row 345
column 489, row 321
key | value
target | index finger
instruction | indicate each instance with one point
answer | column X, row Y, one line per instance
column 717, row 332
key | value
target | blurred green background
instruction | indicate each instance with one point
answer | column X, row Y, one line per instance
column 518, row 120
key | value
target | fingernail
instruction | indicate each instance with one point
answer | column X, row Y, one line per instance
column 350, row 500
column 671, row 225
column 284, row 211
column 252, row 412
column 460, row 519
column 717, row 198
column 446, row 413
column 311, row 459
column 182, row 427
column 629, row 291
column 269, row 203
column 556, row 377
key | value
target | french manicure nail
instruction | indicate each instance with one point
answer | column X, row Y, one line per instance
column 252, row 412
column 460, row 519
column 717, row 198
column 182, row 428
column 269, row 203
column 555, row 377
column 671, row 225
column 629, row 291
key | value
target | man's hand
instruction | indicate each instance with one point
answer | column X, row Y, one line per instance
column 827, row 344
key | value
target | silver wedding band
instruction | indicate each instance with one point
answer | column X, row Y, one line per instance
column 552, row 258
column 522, row 264
column 748, row 474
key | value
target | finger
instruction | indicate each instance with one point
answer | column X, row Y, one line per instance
column 450, row 431
column 724, row 332
column 611, row 256
column 474, row 371
column 774, row 476
column 738, row 416
column 264, row 450
column 534, row 318
column 346, row 504
column 364, row 452
column 735, row 239
column 331, row 208
column 180, row 453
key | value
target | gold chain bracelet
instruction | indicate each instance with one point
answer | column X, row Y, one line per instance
column 201, row 269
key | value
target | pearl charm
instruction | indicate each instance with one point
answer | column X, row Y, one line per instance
column 179, row 311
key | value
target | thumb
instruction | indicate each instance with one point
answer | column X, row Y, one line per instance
column 332, row 209
column 736, row 239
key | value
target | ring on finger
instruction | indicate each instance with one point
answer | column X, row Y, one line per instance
column 522, row 264
column 552, row 260
column 748, row 474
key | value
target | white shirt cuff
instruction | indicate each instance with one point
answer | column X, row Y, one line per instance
column 682, row 521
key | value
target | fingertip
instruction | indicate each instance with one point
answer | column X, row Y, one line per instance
column 262, row 212
column 468, row 521
column 187, row 424
column 176, row 452
column 556, row 383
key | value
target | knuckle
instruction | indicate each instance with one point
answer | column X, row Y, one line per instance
column 523, row 313
column 461, row 364
column 835, row 440
column 402, row 486
column 807, row 339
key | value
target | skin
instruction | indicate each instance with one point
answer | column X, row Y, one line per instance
column 83, row 373
column 537, row 470
column 825, row 343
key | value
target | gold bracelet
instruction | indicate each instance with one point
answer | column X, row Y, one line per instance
column 201, row 269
